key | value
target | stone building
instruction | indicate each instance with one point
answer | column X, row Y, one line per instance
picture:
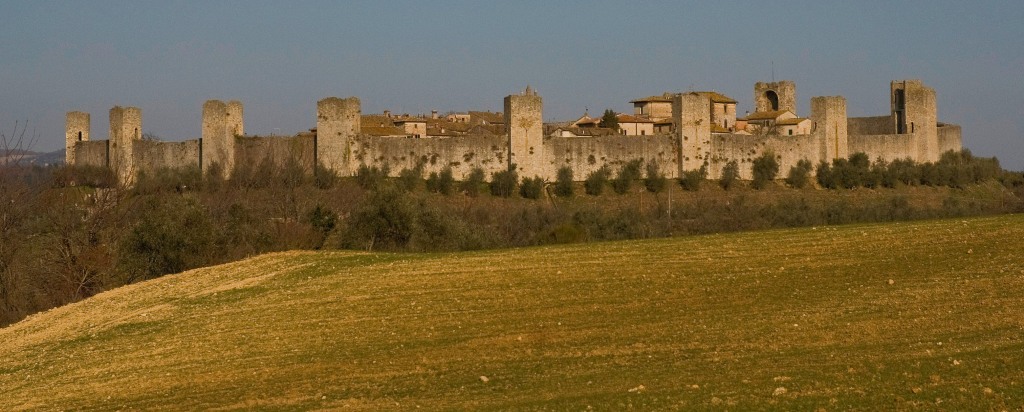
column 697, row 135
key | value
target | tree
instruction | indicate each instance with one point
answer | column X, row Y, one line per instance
column 765, row 170
column 654, row 181
column 532, row 188
column 596, row 181
column 472, row 183
column 609, row 120
column 564, row 182
column 691, row 179
column 799, row 174
column 627, row 174
column 504, row 183
column 730, row 173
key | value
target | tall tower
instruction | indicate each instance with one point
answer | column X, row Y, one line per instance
column 691, row 114
column 525, row 127
column 125, row 130
column 235, row 119
column 338, row 121
column 914, row 111
column 221, row 124
column 780, row 95
column 76, row 129
column 829, row 116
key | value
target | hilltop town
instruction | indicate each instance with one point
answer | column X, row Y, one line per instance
column 678, row 131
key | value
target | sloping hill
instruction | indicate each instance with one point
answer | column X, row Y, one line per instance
column 870, row 317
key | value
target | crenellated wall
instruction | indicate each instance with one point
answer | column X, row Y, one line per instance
column 874, row 125
column 150, row 155
column 910, row 131
column 587, row 154
column 92, row 153
column 462, row 154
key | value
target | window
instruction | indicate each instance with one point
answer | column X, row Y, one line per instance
column 790, row 132
column 79, row 136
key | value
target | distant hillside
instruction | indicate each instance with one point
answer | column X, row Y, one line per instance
column 894, row 316
column 29, row 157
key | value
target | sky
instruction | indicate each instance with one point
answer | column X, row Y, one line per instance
column 168, row 57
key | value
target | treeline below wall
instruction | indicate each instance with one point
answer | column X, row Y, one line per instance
column 69, row 233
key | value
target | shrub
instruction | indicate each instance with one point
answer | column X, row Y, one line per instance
column 799, row 175
column 473, row 182
column 654, row 180
column 174, row 234
column 443, row 183
column 766, row 167
column 410, row 179
column 369, row 177
column 504, row 183
column 824, row 176
column 322, row 220
column 564, row 182
column 692, row 179
column 903, row 171
column 596, row 181
column 386, row 219
column 324, row 178
column 730, row 173
column 627, row 174
column 532, row 188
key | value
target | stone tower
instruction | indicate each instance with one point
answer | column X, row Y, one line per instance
column 829, row 116
column 691, row 114
column 914, row 111
column 780, row 95
column 236, row 126
column 76, row 129
column 220, row 123
column 525, row 128
column 125, row 130
column 338, row 121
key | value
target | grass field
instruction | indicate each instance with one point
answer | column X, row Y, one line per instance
column 913, row 315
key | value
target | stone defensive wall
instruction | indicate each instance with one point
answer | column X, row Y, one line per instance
column 338, row 145
column 462, row 154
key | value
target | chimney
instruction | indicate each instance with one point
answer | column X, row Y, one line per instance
column 387, row 113
column 433, row 114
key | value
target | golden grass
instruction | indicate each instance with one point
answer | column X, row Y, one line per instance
column 788, row 319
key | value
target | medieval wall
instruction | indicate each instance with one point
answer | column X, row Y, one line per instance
column 92, row 153
column 871, row 125
column 252, row 151
column 587, row 154
column 462, row 154
column 745, row 148
column 150, row 156
column 949, row 138
column 887, row 147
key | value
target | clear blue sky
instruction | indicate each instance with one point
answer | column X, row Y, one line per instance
column 279, row 58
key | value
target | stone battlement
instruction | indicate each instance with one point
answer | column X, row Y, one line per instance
column 695, row 138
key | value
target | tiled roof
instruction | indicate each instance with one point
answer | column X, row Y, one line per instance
column 769, row 115
column 717, row 97
column 664, row 98
column 488, row 117
column 382, row 131
column 791, row 122
column 717, row 128
column 376, row 120
column 625, row 118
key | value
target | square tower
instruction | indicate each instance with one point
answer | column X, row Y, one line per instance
column 914, row 111
column 775, row 96
column 76, row 129
column 125, row 130
column 338, row 121
column 525, row 128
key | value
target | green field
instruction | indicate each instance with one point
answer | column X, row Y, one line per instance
column 926, row 314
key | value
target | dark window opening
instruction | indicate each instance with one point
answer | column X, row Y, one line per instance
column 773, row 99
column 79, row 136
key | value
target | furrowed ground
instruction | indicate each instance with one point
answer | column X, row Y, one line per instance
column 900, row 315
